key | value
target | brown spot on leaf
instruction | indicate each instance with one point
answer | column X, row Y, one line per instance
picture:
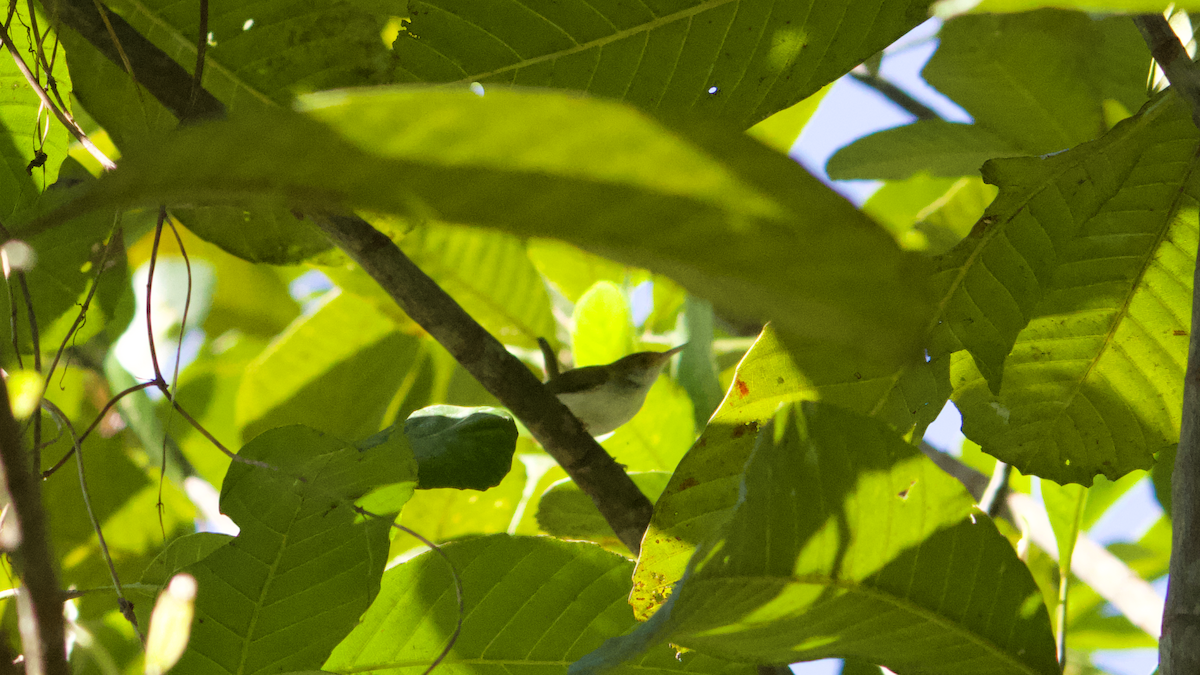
column 743, row 390
column 689, row 482
column 1179, row 332
column 857, row 375
column 779, row 380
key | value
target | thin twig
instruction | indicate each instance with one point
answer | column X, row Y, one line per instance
column 41, row 620
column 158, row 377
column 187, row 305
column 35, row 453
column 107, row 406
column 213, row 439
column 896, row 95
column 64, row 118
column 996, row 490
column 1179, row 647
column 122, row 602
column 82, row 314
column 458, row 589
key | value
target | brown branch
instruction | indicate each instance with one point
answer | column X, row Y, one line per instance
column 165, row 79
column 1179, row 647
column 625, row 508
column 896, row 95
column 42, row 633
column 1170, row 55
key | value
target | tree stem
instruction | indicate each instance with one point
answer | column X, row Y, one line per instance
column 1179, row 646
column 40, row 605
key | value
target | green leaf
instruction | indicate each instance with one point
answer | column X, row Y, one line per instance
column 268, row 602
column 704, row 487
column 602, row 326
column 269, row 52
column 1039, row 80
column 1065, row 506
column 697, row 371
column 418, row 148
column 444, row 514
column 488, row 273
column 464, row 448
column 849, row 542
column 740, row 60
column 565, row 511
column 935, row 147
column 1093, row 249
column 181, row 552
column 264, row 233
column 314, row 372
column 531, row 605
column 572, row 271
column 1034, row 83
column 927, row 214
column 260, row 232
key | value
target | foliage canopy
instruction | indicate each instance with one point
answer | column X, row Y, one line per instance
column 612, row 177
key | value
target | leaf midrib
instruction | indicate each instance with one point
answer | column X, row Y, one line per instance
column 599, row 42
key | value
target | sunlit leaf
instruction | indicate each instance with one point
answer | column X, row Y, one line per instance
column 531, row 605
column 1082, row 270
column 849, row 542
column 740, row 60
column 760, row 205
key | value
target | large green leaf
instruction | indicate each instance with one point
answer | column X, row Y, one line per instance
column 531, row 605
column 936, row 147
column 855, row 300
column 704, row 488
column 1034, row 83
column 1094, row 248
column 294, row 581
column 848, row 541
column 314, row 372
column 740, row 60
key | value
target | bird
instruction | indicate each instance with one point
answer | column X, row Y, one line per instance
column 605, row 397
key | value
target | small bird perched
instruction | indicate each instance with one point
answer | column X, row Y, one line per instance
column 605, row 397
